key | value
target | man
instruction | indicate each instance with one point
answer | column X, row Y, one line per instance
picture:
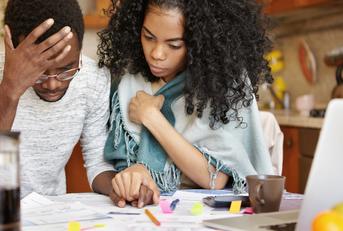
column 54, row 96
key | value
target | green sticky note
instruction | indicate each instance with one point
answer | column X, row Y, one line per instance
column 235, row 206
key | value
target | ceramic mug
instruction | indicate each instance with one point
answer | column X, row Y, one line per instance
column 265, row 192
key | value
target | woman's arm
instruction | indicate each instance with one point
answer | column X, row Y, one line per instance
column 145, row 109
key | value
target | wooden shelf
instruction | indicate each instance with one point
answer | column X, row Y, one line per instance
column 95, row 21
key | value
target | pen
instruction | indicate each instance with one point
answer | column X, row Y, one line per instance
column 173, row 204
column 123, row 213
column 152, row 217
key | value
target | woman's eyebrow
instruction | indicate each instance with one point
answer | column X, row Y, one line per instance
column 168, row 40
column 147, row 30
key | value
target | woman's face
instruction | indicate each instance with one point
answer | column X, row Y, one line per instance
column 162, row 42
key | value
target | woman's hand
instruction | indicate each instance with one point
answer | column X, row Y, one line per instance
column 145, row 198
column 142, row 105
column 135, row 185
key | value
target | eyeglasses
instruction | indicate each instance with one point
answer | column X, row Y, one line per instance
column 63, row 76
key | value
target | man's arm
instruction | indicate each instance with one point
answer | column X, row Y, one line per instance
column 102, row 183
column 8, row 108
column 25, row 63
column 94, row 133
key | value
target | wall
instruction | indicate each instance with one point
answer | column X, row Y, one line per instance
column 322, row 34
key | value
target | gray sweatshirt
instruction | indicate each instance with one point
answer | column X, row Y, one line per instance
column 49, row 131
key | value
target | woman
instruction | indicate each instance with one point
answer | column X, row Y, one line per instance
column 185, row 75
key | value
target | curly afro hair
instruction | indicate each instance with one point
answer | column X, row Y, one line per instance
column 22, row 16
column 226, row 42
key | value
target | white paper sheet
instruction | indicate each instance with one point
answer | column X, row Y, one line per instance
column 59, row 213
column 34, row 200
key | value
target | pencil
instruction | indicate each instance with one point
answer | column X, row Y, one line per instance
column 152, row 217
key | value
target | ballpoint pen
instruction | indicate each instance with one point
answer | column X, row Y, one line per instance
column 173, row 204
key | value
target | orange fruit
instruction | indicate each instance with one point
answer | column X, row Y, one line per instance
column 328, row 221
column 338, row 208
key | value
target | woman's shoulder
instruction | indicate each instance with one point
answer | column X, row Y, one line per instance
column 242, row 117
column 133, row 83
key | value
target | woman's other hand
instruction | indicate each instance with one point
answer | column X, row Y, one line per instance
column 142, row 105
column 134, row 185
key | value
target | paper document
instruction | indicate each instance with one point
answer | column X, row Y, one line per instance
column 34, row 200
column 60, row 213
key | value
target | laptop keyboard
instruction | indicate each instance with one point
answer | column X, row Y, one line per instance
column 281, row 227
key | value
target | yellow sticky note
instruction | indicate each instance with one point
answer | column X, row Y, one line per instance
column 235, row 206
column 197, row 209
column 99, row 225
column 74, row 226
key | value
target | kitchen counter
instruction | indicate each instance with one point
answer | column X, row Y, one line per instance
column 294, row 119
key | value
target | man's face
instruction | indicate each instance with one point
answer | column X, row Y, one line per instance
column 52, row 90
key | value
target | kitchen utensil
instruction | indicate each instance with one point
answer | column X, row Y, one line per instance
column 307, row 62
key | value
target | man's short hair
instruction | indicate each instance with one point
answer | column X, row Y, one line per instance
column 22, row 16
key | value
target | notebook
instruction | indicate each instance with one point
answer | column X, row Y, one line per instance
column 324, row 187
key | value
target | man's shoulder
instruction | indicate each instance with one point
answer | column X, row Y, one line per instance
column 89, row 66
column 91, row 73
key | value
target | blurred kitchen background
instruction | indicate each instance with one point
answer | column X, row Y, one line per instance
column 307, row 40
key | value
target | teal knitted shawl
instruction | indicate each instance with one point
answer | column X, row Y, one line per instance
column 149, row 152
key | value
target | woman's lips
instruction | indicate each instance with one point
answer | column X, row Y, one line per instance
column 156, row 70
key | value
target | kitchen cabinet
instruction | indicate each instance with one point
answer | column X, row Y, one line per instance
column 291, row 156
column 299, row 148
column 273, row 7
column 308, row 139
column 97, row 19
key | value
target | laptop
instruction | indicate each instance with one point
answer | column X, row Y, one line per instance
column 324, row 187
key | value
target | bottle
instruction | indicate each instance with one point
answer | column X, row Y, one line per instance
column 286, row 100
column 9, row 182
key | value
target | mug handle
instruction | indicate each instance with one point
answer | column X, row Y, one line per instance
column 259, row 198
column 339, row 71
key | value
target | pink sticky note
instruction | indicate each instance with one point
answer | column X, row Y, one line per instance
column 248, row 210
column 165, row 206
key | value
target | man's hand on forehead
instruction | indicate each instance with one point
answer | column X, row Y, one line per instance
column 28, row 61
